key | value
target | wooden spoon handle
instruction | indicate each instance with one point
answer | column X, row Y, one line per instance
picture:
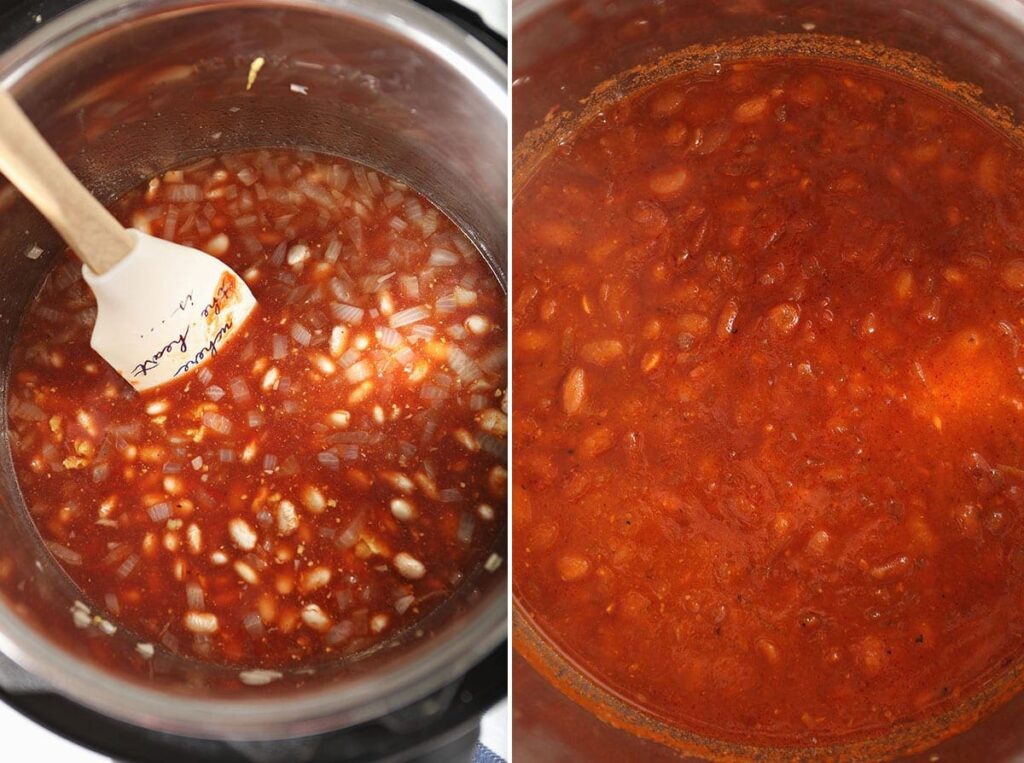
column 27, row 160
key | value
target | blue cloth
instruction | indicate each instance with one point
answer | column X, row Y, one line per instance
column 484, row 755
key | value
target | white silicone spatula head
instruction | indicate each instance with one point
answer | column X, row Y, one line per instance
column 162, row 309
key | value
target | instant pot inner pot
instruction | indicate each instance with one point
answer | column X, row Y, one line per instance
column 572, row 56
column 124, row 93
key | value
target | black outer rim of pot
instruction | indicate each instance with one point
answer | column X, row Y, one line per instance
column 404, row 736
column 410, row 734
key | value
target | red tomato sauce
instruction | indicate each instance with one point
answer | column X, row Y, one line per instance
column 769, row 406
column 331, row 477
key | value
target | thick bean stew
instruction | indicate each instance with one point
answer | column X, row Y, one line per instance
column 769, row 462
column 329, row 479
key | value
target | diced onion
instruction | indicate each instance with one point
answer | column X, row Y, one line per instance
column 239, row 390
column 246, row 175
column 184, row 192
column 403, row 603
column 463, row 365
column 64, row 554
column 194, row 596
column 350, row 535
column 332, row 251
column 492, row 445
column 410, row 286
column 340, row 291
column 409, row 316
column 127, row 566
column 315, row 193
column 422, row 332
column 389, row 338
column 414, row 210
column 253, row 625
column 354, row 228
column 278, row 346
column 22, row 409
column 359, row 372
column 457, row 332
column 431, row 392
column 347, row 313
column 170, row 223
column 217, row 422
column 442, row 258
column 277, row 256
column 467, row 523
column 301, row 334
column 360, row 438
column 340, row 632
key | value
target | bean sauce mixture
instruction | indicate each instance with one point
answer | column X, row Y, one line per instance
column 769, row 461
column 330, row 478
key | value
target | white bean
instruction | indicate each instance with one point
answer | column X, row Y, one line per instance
column 313, row 499
column 201, row 622
column 402, row 510
column 409, row 566
column 315, row 618
column 287, row 517
column 242, row 534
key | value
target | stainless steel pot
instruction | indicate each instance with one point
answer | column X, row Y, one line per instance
column 124, row 89
column 562, row 51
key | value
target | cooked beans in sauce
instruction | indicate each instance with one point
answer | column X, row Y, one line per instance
column 324, row 483
column 769, row 405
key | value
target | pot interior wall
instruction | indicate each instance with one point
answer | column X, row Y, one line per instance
column 134, row 92
column 977, row 41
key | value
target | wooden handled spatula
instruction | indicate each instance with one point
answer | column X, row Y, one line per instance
column 163, row 309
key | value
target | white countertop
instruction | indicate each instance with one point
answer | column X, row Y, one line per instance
column 493, row 12
column 495, row 730
column 25, row 741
